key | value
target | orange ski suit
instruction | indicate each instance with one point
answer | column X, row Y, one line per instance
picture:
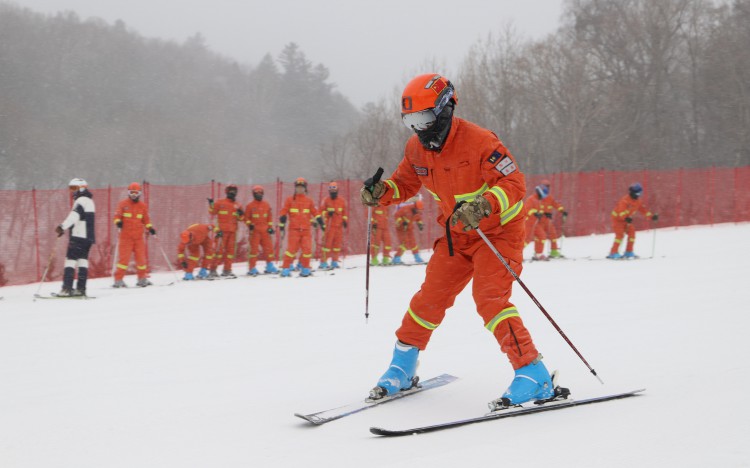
column 335, row 215
column 472, row 163
column 259, row 215
column 534, row 229
column 406, row 217
column 626, row 207
column 227, row 217
column 193, row 238
column 135, row 222
column 301, row 213
column 381, row 232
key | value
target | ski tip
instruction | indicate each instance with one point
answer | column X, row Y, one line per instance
column 310, row 418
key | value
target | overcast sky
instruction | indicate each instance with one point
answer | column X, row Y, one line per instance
column 369, row 46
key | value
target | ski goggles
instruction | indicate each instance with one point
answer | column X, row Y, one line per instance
column 136, row 193
column 425, row 119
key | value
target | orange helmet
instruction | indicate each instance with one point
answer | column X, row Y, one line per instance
column 257, row 189
column 186, row 236
column 230, row 187
column 134, row 187
column 424, row 98
column 333, row 187
column 300, row 182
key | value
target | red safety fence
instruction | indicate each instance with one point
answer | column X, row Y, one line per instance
column 682, row 197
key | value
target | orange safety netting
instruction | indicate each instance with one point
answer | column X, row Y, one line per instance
column 682, row 197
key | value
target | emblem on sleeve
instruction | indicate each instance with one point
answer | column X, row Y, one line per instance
column 505, row 165
column 421, row 171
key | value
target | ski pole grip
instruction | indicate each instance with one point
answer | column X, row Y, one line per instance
column 374, row 179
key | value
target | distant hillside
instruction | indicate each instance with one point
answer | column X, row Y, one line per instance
column 94, row 100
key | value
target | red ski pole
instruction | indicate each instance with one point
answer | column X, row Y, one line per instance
column 368, row 184
column 538, row 304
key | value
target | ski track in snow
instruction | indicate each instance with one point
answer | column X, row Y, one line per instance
column 210, row 373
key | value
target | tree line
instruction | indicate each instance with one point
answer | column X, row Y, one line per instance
column 621, row 85
column 89, row 99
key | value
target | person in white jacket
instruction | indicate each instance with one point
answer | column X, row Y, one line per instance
column 80, row 221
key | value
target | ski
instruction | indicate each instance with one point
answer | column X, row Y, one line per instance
column 500, row 414
column 55, row 296
column 323, row 417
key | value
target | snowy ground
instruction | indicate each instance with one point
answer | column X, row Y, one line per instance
column 209, row 374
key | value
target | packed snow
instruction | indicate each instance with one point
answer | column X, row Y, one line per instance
column 209, row 374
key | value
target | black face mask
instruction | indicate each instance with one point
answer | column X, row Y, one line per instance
column 231, row 195
column 635, row 195
column 434, row 137
column 334, row 195
column 258, row 196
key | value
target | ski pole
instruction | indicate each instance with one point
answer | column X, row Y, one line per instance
column 166, row 259
column 46, row 270
column 653, row 242
column 538, row 304
column 368, row 184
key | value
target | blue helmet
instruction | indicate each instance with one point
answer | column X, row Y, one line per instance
column 635, row 190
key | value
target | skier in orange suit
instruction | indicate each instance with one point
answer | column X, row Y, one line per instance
column 228, row 213
column 336, row 217
column 259, row 221
column 132, row 219
column 300, row 212
column 477, row 184
column 195, row 238
column 622, row 221
column 406, row 218
column 381, row 236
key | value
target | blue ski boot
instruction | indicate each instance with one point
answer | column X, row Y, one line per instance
column 417, row 258
column 297, row 267
column 286, row 272
column 203, row 273
column 305, row 272
column 324, row 266
column 401, row 374
column 397, row 261
column 271, row 268
column 630, row 254
column 335, row 264
column 532, row 382
column 188, row 277
column 253, row 272
column 614, row 256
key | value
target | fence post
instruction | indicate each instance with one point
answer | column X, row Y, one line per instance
column 711, row 183
column 679, row 198
column 36, row 235
column 735, row 209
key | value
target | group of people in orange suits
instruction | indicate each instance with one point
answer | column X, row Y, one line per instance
column 541, row 207
column 407, row 218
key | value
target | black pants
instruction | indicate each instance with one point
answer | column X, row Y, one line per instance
column 77, row 255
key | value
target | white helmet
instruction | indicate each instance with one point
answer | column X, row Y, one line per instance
column 79, row 183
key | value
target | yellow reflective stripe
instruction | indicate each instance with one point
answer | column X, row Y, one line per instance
column 378, row 211
column 230, row 256
column 122, row 267
column 223, row 212
column 511, row 213
column 117, row 219
column 394, row 187
column 210, row 257
column 346, row 218
column 422, row 322
column 139, row 216
column 180, row 255
column 194, row 258
column 434, row 195
column 307, row 256
column 149, row 225
column 140, row 267
column 336, row 250
column 127, row 215
column 294, row 210
column 501, row 196
column 256, row 216
column 614, row 213
column 467, row 197
column 306, row 210
column 289, row 254
column 505, row 314
column 333, row 209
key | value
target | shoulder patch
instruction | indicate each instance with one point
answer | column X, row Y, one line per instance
column 421, row 171
column 503, row 164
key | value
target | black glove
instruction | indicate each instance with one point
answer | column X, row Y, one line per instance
column 321, row 223
column 538, row 214
column 251, row 227
column 420, row 226
column 271, row 231
column 345, row 224
column 118, row 223
column 331, row 213
column 374, row 226
column 240, row 213
column 565, row 215
column 210, row 201
column 548, row 215
column 152, row 231
column 60, row 231
column 628, row 220
column 184, row 265
column 655, row 217
column 218, row 234
column 282, row 219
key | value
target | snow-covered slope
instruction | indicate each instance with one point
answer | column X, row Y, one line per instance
column 209, row 374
